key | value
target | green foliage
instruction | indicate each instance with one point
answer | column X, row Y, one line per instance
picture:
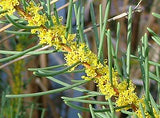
column 109, row 107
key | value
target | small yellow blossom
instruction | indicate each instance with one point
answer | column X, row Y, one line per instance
column 91, row 72
column 126, row 96
column 124, row 86
column 35, row 18
column 139, row 113
column 71, row 58
column 8, row 6
column 106, row 88
column 55, row 36
column 55, row 21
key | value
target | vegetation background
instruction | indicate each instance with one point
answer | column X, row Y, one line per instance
column 15, row 77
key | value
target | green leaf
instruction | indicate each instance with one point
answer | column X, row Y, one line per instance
column 93, row 18
column 127, row 112
column 101, row 115
column 100, row 48
column 142, row 110
column 146, row 66
column 129, row 37
column 75, row 88
column 155, row 37
column 78, row 15
column 4, row 11
column 47, row 73
column 154, row 77
column 109, row 55
column 158, row 88
column 84, row 101
column 111, row 108
column 43, row 3
column 43, row 113
column 91, row 111
column 75, row 71
column 31, row 112
column 20, row 54
column 87, row 96
column 107, row 113
column 19, row 25
column 17, row 32
column 154, row 63
column 154, row 103
column 49, row 14
column 56, row 13
column 118, row 38
column 46, row 92
column 25, row 4
column 79, row 115
column 156, row 15
column 19, row 107
column 115, row 53
column 29, row 53
column 69, row 18
column 87, row 110
column 46, row 68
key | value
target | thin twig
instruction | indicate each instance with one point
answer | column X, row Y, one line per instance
column 62, row 7
column 138, row 4
column 136, row 9
column 6, row 27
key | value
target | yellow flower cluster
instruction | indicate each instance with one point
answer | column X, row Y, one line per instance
column 85, row 56
column 8, row 6
column 52, row 36
column 105, row 85
column 122, row 91
column 78, row 52
column 126, row 96
column 34, row 18
column 147, row 115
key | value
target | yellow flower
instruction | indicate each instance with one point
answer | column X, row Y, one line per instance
column 126, row 96
column 91, row 72
column 139, row 113
column 106, row 88
column 55, row 21
column 71, row 58
column 35, row 18
column 55, row 36
column 8, row 6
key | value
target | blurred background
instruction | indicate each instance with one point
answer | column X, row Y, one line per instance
column 16, row 79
